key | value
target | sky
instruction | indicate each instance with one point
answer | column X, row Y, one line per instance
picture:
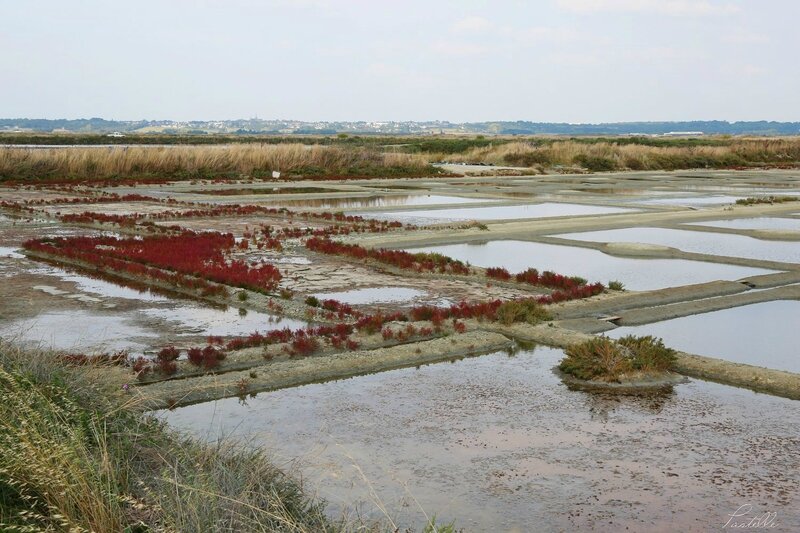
column 580, row 61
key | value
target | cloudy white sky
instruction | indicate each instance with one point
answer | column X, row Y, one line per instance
column 468, row 60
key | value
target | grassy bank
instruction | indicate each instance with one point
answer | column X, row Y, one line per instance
column 389, row 157
column 207, row 162
column 606, row 155
column 78, row 455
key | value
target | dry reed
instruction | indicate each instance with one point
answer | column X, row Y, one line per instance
column 78, row 455
column 225, row 161
column 618, row 156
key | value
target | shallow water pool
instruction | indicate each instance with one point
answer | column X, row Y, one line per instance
column 692, row 201
column 498, row 443
column 759, row 334
column 698, row 242
column 593, row 265
column 383, row 201
column 769, row 223
column 189, row 319
column 79, row 331
column 543, row 210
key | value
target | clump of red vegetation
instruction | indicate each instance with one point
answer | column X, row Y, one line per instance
column 165, row 360
column 208, row 357
column 303, row 345
column 203, row 256
column 498, row 273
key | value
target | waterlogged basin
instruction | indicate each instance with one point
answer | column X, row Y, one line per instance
column 698, row 242
column 593, row 265
column 107, row 288
column 543, row 210
column 498, row 443
column 761, row 334
column 79, row 331
column 692, row 201
column 383, row 201
column 10, row 252
column 373, row 295
column 189, row 320
column 768, row 223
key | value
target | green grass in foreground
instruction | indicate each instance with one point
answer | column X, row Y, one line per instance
column 79, row 456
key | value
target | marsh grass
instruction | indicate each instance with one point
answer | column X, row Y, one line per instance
column 78, row 455
column 192, row 162
column 610, row 155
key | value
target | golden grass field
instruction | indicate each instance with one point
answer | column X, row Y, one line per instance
column 343, row 161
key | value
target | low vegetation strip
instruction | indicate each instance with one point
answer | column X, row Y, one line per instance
column 377, row 330
column 756, row 200
column 78, row 455
column 566, row 287
column 419, row 262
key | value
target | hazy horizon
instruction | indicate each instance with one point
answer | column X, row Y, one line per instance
column 566, row 61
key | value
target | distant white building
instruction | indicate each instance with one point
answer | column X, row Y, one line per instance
column 115, row 134
column 683, row 134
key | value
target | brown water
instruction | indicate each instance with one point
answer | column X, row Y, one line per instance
column 498, row 443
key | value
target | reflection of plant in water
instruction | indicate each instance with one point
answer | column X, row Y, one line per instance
column 601, row 404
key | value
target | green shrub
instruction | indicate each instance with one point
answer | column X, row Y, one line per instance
column 312, row 301
column 602, row 359
column 596, row 359
column 521, row 311
column 649, row 353
column 615, row 285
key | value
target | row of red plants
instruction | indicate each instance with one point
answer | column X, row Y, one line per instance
column 533, row 277
column 201, row 255
column 307, row 341
column 203, row 210
column 569, row 287
column 419, row 262
column 107, row 198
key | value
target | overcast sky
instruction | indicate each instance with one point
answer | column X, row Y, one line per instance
column 546, row 60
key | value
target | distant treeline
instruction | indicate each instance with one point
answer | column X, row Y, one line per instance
column 246, row 127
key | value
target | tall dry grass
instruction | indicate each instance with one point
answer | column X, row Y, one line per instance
column 77, row 456
column 223, row 161
column 614, row 156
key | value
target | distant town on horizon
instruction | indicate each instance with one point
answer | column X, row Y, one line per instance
column 288, row 127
